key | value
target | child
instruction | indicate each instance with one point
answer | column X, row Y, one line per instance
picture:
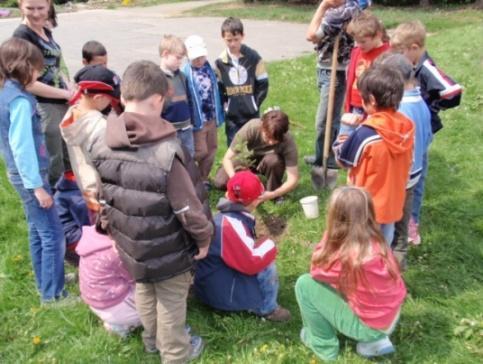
column 438, row 91
column 94, row 53
column 152, row 211
column 176, row 108
column 242, row 76
column 205, row 106
column 327, row 23
column 239, row 273
column 354, row 286
column 27, row 163
column 98, row 87
column 379, row 152
column 371, row 41
column 104, row 283
column 413, row 106
column 73, row 213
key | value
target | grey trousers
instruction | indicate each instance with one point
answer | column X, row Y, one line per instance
column 51, row 115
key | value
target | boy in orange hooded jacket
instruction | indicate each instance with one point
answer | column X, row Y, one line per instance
column 379, row 152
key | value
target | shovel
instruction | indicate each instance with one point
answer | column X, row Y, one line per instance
column 320, row 180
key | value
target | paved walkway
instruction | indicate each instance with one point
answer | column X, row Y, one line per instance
column 133, row 33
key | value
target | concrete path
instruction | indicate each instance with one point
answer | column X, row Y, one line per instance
column 133, row 33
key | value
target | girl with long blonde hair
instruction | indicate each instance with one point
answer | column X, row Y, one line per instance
column 354, row 285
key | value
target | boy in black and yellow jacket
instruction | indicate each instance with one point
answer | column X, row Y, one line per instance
column 242, row 78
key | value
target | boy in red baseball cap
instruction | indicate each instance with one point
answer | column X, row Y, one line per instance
column 97, row 88
column 239, row 272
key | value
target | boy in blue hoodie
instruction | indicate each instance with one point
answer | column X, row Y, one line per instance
column 413, row 106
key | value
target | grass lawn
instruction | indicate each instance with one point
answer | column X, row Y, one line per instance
column 442, row 319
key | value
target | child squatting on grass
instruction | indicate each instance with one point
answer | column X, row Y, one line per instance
column 239, row 273
column 354, row 286
column 27, row 162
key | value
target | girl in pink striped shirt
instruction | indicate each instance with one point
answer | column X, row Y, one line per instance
column 354, row 286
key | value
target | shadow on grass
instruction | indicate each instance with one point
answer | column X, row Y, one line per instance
column 449, row 259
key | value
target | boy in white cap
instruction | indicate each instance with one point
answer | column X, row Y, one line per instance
column 205, row 106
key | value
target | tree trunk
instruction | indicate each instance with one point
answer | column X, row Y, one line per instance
column 425, row 3
column 479, row 4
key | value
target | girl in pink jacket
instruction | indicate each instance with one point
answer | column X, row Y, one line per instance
column 354, row 286
column 105, row 285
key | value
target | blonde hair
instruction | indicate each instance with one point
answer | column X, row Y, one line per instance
column 351, row 232
column 172, row 44
column 409, row 33
column 366, row 24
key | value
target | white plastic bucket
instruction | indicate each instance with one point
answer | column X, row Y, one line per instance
column 310, row 205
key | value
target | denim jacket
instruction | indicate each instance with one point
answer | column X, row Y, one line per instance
column 10, row 91
column 195, row 100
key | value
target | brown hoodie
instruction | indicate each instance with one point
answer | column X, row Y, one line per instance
column 185, row 191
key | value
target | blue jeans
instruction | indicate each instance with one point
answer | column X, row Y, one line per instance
column 47, row 243
column 323, row 83
column 418, row 193
column 388, row 231
column 185, row 136
column 268, row 280
column 230, row 130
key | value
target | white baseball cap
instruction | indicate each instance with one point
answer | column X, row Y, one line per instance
column 196, row 47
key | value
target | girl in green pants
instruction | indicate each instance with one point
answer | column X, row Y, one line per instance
column 354, row 286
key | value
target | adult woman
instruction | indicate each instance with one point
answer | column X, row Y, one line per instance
column 50, row 89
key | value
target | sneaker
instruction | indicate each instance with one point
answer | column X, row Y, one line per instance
column 413, row 232
column 279, row 200
column 208, row 185
column 377, row 348
column 63, row 301
column 309, row 159
column 197, row 346
column 280, row 314
column 70, row 278
column 118, row 330
column 303, row 338
column 150, row 348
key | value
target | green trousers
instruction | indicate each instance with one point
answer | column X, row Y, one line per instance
column 324, row 313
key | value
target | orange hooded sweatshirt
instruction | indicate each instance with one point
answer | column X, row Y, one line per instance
column 379, row 155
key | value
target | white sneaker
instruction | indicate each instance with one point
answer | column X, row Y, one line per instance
column 376, row 348
column 197, row 346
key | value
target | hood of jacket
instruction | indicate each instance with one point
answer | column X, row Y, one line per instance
column 130, row 130
column 76, row 129
column 92, row 241
column 396, row 130
column 225, row 205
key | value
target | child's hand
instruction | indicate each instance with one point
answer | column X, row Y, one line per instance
column 351, row 119
column 43, row 197
column 332, row 3
column 202, row 253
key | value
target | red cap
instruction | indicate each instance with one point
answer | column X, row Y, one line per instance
column 244, row 187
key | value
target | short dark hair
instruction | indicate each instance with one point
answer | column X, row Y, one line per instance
column 141, row 80
column 18, row 59
column 92, row 49
column 384, row 83
column 232, row 25
column 399, row 61
column 275, row 124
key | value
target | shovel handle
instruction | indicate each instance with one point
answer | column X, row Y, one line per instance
column 330, row 106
